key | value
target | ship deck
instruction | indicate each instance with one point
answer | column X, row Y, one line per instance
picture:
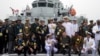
column 42, row 55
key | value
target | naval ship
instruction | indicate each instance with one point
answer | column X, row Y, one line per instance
column 44, row 10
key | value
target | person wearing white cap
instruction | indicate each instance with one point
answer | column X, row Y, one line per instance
column 75, row 26
column 89, row 45
column 68, row 27
column 50, row 45
column 52, row 27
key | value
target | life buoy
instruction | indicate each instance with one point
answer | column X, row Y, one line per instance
column 73, row 12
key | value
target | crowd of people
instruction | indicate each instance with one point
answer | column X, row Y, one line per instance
column 61, row 36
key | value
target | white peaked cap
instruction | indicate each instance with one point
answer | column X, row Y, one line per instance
column 66, row 17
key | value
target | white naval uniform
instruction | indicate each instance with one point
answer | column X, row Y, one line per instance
column 68, row 28
column 48, row 44
column 89, row 44
column 75, row 28
column 52, row 27
column 97, row 35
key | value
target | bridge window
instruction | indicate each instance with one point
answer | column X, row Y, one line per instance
column 50, row 5
column 28, row 14
column 34, row 5
column 42, row 4
column 42, row 0
column 49, row 0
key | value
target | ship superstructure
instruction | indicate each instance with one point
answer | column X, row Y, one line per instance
column 44, row 10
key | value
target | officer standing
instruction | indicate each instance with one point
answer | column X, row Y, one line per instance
column 58, row 32
column 11, row 39
column 83, row 28
column 35, row 25
column 96, row 31
column 34, row 29
column 68, row 27
column 75, row 26
column 6, row 36
column 91, row 25
column 27, row 29
column 1, row 37
column 42, row 31
column 19, row 27
column 59, row 29
column 52, row 27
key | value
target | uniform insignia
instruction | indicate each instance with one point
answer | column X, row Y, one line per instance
column 78, row 39
column 6, row 31
column 34, row 43
column 1, row 34
column 26, row 27
column 63, row 46
column 23, row 44
column 42, row 32
column 20, row 30
column 58, row 33
column 59, row 30
column 37, row 28
column 16, row 47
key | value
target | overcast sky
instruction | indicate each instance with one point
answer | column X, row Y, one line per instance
column 87, row 8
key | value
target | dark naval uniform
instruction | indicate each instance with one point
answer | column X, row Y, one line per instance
column 19, row 28
column 42, row 32
column 33, row 45
column 6, row 36
column 58, row 32
column 1, row 39
column 19, row 45
column 11, row 39
column 83, row 29
column 26, row 45
column 34, row 29
column 77, row 44
column 65, row 44
column 90, row 29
